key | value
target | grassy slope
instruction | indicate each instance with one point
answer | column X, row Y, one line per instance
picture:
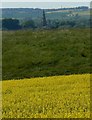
column 45, row 53
column 51, row 97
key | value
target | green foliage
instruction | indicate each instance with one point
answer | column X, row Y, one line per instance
column 28, row 24
column 45, row 53
column 10, row 24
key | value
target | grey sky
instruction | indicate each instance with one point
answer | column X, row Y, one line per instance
column 43, row 4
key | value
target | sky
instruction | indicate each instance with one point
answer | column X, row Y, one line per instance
column 43, row 4
column 45, row 0
column 40, row 4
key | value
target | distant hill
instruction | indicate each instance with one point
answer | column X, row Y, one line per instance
column 26, row 13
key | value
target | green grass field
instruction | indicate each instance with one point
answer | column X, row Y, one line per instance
column 47, row 97
column 45, row 53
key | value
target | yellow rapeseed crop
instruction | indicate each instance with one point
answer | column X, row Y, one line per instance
column 47, row 97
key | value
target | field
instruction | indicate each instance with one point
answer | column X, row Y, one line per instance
column 41, row 53
column 36, row 71
column 85, row 12
column 47, row 97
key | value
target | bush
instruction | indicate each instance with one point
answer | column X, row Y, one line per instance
column 10, row 24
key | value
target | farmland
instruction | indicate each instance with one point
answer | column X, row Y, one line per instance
column 46, row 73
column 41, row 53
column 46, row 66
column 47, row 97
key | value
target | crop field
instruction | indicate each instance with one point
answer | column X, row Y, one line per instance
column 87, row 12
column 47, row 97
column 64, row 13
column 83, row 12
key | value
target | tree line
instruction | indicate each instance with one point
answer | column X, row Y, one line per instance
column 14, row 24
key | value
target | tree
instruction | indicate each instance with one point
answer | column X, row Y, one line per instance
column 10, row 24
column 29, row 24
column 44, row 19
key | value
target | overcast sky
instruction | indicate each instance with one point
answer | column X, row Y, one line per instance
column 46, row 0
column 43, row 4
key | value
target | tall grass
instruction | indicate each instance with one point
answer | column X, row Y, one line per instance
column 45, row 53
